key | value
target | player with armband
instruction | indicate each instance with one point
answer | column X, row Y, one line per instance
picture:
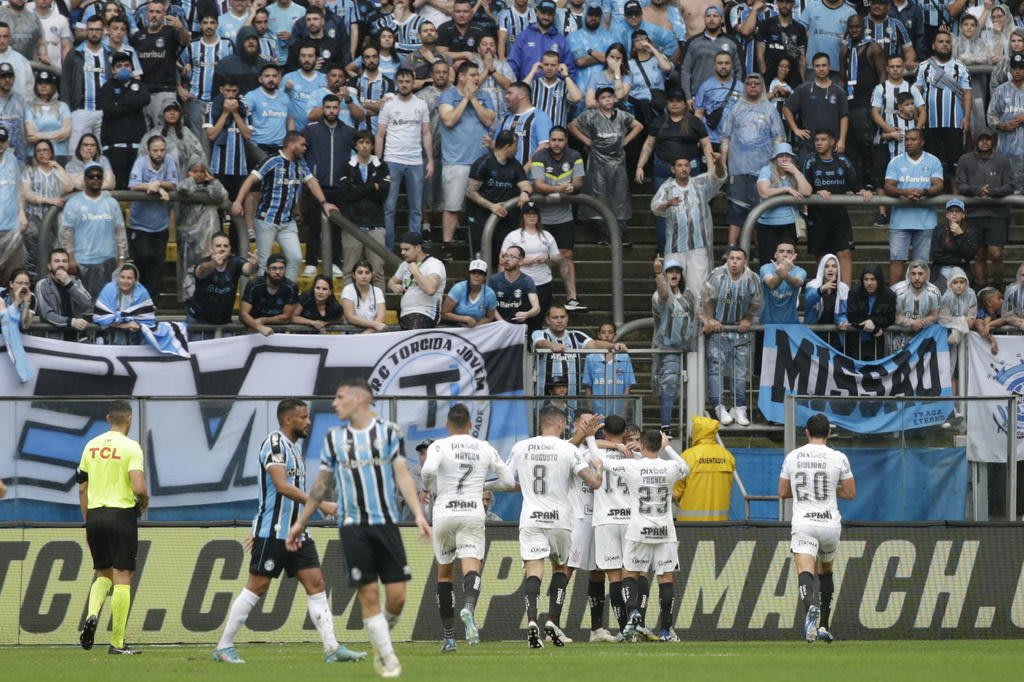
column 814, row 476
column 459, row 466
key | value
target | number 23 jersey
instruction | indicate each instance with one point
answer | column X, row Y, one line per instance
column 650, row 483
column 546, row 468
column 814, row 472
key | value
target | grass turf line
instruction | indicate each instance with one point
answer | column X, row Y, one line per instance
column 513, row 661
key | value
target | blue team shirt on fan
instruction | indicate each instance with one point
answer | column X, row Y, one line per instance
column 910, row 174
column 462, row 143
column 485, row 302
column 269, row 116
column 301, row 96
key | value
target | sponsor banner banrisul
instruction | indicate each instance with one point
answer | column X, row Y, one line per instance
column 734, row 582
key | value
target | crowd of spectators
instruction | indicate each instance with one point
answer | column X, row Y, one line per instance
column 286, row 111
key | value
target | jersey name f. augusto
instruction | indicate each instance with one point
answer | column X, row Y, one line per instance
column 546, row 468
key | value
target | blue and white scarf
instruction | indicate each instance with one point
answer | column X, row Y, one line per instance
column 165, row 337
column 10, row 325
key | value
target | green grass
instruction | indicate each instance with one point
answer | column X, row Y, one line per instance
column 901, row 661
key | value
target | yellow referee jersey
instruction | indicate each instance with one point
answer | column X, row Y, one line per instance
column 107, row 459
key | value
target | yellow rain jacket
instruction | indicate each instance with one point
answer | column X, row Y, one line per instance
column 704, row 494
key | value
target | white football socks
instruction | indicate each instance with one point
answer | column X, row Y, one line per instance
column 240, row 610
column 320, row 614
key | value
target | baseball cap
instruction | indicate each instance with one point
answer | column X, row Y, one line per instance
column 478, row 265
column 531, row 207
column 424, row 444
column 173, row 105
column 600, row 91
column 546, row 6
column 560, row 380
column 782, row 148
column 639, row 33
column 955, row 203
column 414, row 238
column 671, row 263
column 1017, row 60
column 121, row 57
column 6, row 69
column 45, row 76
column 985, row 132
column 90, row 166
column 633, row 7
column 275, row 258
column 594, row 11
column 676, row 94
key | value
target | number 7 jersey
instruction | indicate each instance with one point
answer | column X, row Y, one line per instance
column 814, row 472
column 545, row 467
column 460, row 464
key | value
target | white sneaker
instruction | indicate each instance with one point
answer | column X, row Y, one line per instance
column 723, row 416
column 336, row 271
column 602, row 635
column 309, row 271
column 387, row 668
column 739, row 414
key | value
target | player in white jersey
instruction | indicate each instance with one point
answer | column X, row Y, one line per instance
column 581, row 548
column 650, row 540
column 546, row 468
column 611, row 516
column 815, row 475
column 458, row 467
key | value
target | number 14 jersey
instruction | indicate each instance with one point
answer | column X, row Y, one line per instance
column 814, row 472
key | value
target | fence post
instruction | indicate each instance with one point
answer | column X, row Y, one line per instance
column 1011, row 461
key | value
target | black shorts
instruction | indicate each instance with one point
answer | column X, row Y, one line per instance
column 374, row 553
column 989, row 231
column 564, row 234
column 270, row 556
column 113, row 537
column 830, row 234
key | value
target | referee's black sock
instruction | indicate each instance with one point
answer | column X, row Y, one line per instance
column 827, row 590
column 630, row 598
column 471, row 589
column 666, row 599
column 595, row 597
column 643, row 588
column 556, row 596
column 618, row 603
column 531, row 588
column 806, row 579
column 446, row 606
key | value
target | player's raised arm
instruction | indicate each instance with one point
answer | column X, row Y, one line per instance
column 506, row 479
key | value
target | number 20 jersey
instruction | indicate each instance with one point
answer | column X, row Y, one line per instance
column 546, row 468
column 814, row 472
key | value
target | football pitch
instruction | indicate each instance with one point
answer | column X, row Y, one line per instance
column 514, row 661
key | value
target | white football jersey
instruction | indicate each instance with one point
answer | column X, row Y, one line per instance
column 581, row 497
column 650, row 483
column 547, row 468
column 814, row 472
column 611, row 500
column 459, row 466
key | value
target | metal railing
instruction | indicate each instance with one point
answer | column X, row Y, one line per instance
column 855, row 200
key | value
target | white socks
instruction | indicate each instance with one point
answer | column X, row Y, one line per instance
column 391, row 618
column 380, row 636
column 320, row 614
column 236, row 617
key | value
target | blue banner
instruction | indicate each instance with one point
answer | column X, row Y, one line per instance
column 796, row 361
column 893, row 484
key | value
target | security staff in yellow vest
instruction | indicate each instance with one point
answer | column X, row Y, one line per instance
column 112, row 491
column 704, row 494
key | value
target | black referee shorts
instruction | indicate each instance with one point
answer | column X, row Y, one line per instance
column 374, row 553
column 113, row 537
column 270, row 557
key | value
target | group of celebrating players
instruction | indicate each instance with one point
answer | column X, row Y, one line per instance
column 604, row 506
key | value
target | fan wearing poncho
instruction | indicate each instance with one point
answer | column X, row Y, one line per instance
column 125, row 310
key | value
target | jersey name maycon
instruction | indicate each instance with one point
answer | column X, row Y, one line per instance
column 460, row 465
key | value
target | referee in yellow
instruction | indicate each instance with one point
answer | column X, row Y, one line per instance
column 112, row 491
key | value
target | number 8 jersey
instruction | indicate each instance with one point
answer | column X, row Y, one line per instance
column 814, row 472
column 545, row 467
